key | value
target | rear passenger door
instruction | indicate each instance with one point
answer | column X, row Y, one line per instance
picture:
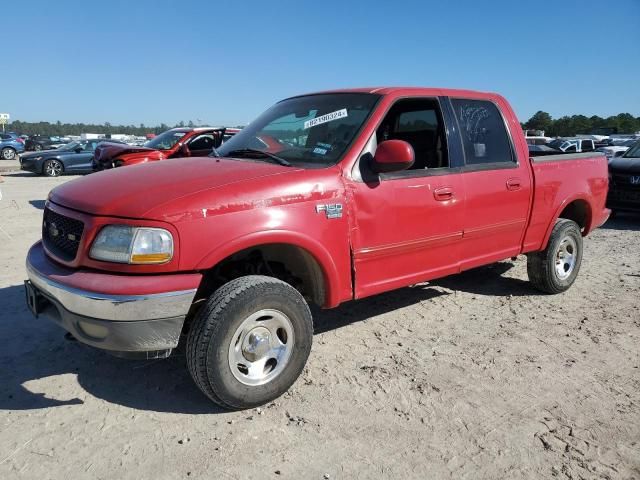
column 497, row 186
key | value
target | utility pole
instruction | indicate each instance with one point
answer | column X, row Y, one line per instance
column 4, row 119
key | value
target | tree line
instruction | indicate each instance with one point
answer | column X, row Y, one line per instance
column 563, row 127
column 572, row 125
column 59, row 129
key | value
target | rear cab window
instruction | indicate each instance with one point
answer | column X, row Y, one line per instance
column 485, row 139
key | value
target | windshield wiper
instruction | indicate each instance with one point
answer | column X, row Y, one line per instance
column 254, row 151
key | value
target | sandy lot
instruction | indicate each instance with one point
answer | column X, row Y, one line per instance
column 472, row 376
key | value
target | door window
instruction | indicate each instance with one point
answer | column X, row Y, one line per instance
column 419, row 123
column 202, row 142
column 484, row 135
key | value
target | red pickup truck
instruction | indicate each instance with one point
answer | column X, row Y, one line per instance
column 174, row 143
column 352, row 193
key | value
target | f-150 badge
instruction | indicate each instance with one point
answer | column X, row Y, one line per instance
column 332, row 210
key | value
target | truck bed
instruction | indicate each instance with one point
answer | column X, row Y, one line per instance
column 569, row 176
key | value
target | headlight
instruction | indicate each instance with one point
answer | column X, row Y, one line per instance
column 137, row 245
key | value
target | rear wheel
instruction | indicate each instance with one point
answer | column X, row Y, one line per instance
column 8, row 153
column 249, row 342
column 53, row 168
column 554, row 269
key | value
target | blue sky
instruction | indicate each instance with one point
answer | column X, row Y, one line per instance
column 224, row 62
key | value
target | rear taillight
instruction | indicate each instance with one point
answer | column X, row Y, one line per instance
column 21, row 140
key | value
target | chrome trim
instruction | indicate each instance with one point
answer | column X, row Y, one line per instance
column 114, row 307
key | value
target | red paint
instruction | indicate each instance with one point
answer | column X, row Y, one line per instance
column 393, row 232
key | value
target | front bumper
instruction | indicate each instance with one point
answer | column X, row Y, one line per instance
column 119, row 323
column 624, row 200
column 30, row 165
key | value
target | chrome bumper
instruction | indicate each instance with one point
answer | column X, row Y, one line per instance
column 146, row 326
column 114, row 307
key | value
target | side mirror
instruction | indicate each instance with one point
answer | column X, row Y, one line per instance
column 78, row 149
column 184, row 150
column 393, row 156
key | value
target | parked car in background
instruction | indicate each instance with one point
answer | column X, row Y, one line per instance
column 75, row 157
column 174, row 143
column 354, row 193
column 573, row 145
column 536, row 137
column 624, row 181
column 11, row 145
column 616, row 150
column 540, row 150
column 40, row 142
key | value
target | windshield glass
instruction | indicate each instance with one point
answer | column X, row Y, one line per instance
column 165, row 140
column 70, row 146
column 314, row 130
column 633, row 152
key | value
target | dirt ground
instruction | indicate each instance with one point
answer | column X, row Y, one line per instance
column 473, row 376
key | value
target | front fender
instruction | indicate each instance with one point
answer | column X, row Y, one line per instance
column 333, row 280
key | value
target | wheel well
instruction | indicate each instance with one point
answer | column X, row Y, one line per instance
column 286, row 262
column 579, row 212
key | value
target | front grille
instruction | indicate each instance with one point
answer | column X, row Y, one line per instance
column 61, row 235
column 626, row 182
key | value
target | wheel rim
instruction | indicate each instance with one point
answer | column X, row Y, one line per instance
column 566, row 257
column 53, row 169
column 8, row 154
column 261, row 347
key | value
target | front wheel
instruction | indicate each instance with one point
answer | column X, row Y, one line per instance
column 554, row 269
column 53, row 168
column 8, row 153
column 249, row 342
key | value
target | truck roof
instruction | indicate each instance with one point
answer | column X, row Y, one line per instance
column 427, row 91
column 200, row 129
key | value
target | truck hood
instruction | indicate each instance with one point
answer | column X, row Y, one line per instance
column 105, row 152
column 131, row 192
column 624, row 165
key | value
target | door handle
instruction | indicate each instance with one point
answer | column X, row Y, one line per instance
column 443, row 194
column 513, row 184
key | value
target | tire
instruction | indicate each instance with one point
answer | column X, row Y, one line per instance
column 8, row 153
column 554, row 269
column 53, row 168
column 254, row 313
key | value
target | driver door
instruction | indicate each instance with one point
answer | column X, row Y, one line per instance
column 81, row 161
column 408, row 224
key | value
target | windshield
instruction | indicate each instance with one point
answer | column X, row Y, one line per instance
column 555, row 144
column 315, row 130
column 165, row 140
column 633, row 152
column 70, row 146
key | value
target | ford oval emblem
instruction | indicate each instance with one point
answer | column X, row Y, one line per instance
column 53, row 230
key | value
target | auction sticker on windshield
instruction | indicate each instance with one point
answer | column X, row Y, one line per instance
column 329, row 117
